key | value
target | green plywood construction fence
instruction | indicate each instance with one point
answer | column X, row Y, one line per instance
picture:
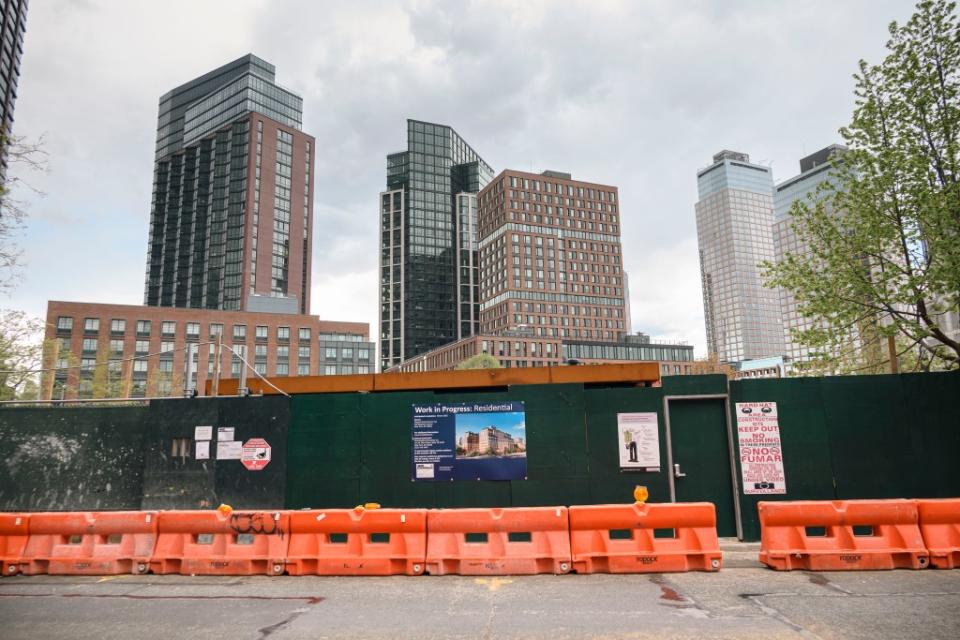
column 861, row 437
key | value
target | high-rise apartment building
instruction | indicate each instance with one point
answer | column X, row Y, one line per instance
column 12, row 27
column 734, row 235
column 232, row 204
column 550, row 258
column 814, row 171
column 428, row 261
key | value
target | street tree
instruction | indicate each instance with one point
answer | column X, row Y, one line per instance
column 480, row 361
column 884, row 236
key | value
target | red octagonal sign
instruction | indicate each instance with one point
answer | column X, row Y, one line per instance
column 255, row 454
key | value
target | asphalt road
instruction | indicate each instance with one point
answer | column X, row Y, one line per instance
column 742, row 601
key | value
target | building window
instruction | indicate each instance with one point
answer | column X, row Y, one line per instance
column 283, row 369
column 304, row 334
column 262, row 332
column 140, row 366
column 64, row 323
column 283, row 352
column 347, row 353
column 363, row 354
column 330, row 353
column 166, row 366
column 283, row 333
column 346, row 369
column 239, row 332
column 168, row 328
column 261, row 368
column 166, row 349
column 91, row 325
column 118, row 326
column 363, row 369
column 216, row 329
column 142, row 346
column 90, row 345
column 330, row 370
column 260, row 351
column 303, row 353
column 303, row 369
column 116, row 346
column 193, row 330
column 143, row 327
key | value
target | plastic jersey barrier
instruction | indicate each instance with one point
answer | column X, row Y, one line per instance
column 479, row 542
column 357, row 542
column 644, row 538
column 89, row 543
column 841, row 535
column 214, row 543
column 940, row 528
column 13, row 540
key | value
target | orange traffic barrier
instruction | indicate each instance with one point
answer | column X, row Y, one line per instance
column 841, row 535
column 940, row 528
column 644, row 538
column 476, row 542
column 89, row 543
column 13, row 540
column 357, row 542
column 217, row 543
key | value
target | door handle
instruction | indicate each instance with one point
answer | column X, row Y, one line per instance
column 677, row 473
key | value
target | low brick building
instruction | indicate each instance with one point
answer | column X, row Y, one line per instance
column 113, row 350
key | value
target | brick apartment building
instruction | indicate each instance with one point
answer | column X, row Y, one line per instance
column 137, row 351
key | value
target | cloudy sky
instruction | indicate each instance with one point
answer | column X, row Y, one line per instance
column 637, row 94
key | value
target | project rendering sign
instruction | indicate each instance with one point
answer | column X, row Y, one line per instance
column 639, row 441
column 469, row 441
column 761, row 455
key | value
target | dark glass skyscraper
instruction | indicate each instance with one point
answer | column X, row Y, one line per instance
column 428, row 242
column 13, row 27
column 232, row 209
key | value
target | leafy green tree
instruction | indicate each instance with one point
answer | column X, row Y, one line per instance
column 480, row 361
column 884, row 238
column 21, row 352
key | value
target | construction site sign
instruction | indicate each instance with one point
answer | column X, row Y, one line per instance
column 469, row 441
column 761, row 454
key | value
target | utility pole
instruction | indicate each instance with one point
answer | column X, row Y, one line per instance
column 216, row 365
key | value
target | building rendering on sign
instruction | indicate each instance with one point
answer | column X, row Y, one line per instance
column 232, row 202
column 13, row 26
column 734, row 220
column 550, row 258
column 815, row 170
column 428, row 261
column 496, row 441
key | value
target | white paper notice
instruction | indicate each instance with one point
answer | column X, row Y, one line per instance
column 761, row 457
column 203, row 450
column 203, row 433
column 639, row 441
column 229, row 449
column 225, row 433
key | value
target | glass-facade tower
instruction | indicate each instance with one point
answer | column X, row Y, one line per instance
column 13, row 25
column 232, row 207
column 734, row 235
column 428, row 242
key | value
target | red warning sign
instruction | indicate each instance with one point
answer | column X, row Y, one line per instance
column 255, row 454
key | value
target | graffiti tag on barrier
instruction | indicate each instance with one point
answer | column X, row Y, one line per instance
column 255, row 523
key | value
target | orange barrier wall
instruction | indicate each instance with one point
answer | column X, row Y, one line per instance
column 356, row 542
column 89, row 543
column 13, row 540
column 632, row 538
column 841, row 535
column 212, row 543
column 476, row 542
column 940, row 528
